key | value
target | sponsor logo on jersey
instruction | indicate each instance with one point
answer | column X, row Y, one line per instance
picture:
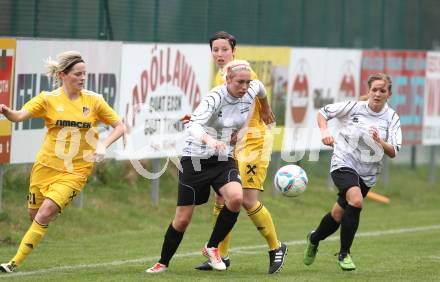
column 71, row 123
column 356, row 119
column 251, row 169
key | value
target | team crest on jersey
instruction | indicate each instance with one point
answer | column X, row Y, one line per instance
column 60, row 109
column 86, row 111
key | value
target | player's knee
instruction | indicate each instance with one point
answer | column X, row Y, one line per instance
column 356, row 202
column 46, row 214
column 219, row 200
column 181, row 223
column 248, row 203
column 32, row 213
column 337, row 215
column 235, row 202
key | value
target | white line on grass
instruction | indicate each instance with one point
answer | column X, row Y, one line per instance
column 232, row 250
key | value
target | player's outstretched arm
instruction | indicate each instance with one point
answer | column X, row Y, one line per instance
column 15, row 116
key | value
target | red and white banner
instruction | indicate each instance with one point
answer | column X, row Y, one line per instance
column 431, row 113
column 102, row 64
column 317, row 77
column 407, row 71
column 7, row 59
column 159, row 84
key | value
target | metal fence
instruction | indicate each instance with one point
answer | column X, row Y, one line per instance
column 388, row 24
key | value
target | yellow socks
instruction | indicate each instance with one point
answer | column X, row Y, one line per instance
column 216, row 211
column 262, row 219
column 30, row 240
column 223, row 246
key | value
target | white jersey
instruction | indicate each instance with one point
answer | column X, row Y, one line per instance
column 355, row 148
column 219, row 114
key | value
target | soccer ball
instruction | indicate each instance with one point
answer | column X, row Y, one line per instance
column 290, row 180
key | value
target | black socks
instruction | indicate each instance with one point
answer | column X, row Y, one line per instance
column 349, row 226
column 170, row 244
column 225, row 221
column 327, row 227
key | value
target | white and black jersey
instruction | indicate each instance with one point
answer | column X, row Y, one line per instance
column 355, row 148
column 219, row 114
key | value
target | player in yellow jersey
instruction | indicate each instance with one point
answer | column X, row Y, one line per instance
column 253, row 155
column 71, row 115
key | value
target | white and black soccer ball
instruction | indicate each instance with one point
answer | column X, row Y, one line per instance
column 290, row 180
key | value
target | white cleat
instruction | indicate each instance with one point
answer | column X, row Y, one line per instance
column 8, row 267
column 157, row 268
column 214, row 258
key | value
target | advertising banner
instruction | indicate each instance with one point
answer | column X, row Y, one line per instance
column 159, row 84
column 317, row 77
column 407, row 71
column 102, row 65
column 7, row 60
column 431, row 113
column 271, row 65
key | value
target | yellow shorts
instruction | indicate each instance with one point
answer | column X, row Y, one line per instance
column 61, row 187
column 252, row 162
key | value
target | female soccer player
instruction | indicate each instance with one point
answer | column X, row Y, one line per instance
column 253, row 161
column 70, row 147
column 369, row 130
column 208, row 161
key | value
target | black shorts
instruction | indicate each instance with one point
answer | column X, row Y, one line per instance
column 198, row 174
column 345, row 178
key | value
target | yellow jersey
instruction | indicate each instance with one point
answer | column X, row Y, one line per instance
column 72, row 132
column 255, row 122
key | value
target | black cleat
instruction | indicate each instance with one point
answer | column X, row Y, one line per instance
column 276, row 258
column 207, row 265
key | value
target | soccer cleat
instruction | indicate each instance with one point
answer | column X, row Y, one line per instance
column 207, row 264
column 8, row 267
column 310, row 251
column 345, row 262
column 276, row 258
column 157, row 268
column 214, row 258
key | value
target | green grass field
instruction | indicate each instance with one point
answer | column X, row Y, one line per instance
column 118, row 233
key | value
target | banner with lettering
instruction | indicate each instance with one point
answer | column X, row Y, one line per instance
column 7, row 60
column 103, row 61
column 271, row 65
column 407, row 71
column 317, row 77
column 159, row 84
column 431, row 117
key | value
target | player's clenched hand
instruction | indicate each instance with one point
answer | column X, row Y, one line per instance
column 374, row 133
column 234, row 137
column 99, row 153
column 218, row 146
column 267, row 117
column 185, row 119
column 327, row 139
column 4, row 109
